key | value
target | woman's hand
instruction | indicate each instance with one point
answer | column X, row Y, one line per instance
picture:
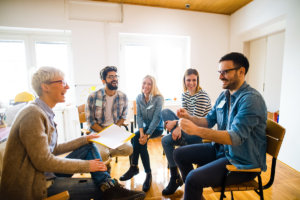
column 143, row 139
column 97, row 165
column 170, row 125
column 176, row 134
column 92, row 136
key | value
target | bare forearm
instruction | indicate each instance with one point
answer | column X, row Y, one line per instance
column 221, row 137
column 120, row 122
column 97, row 128
column 199, row 121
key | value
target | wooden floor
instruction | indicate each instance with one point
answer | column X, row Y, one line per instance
column 286, row 185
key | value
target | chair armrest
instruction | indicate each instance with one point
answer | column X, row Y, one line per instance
column 206, row 141
column 233, row 168
column 60, row 196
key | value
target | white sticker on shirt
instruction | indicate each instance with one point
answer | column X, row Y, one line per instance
column 149, row 107
column 98, row 103
column 221, row 104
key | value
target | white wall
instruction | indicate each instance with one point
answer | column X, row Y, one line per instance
column 95, row 44
column 262, row 17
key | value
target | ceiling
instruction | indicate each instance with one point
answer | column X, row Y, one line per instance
column 226, row 7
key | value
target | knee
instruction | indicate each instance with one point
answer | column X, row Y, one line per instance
column 104, row 155
column 192, row 181
column 165, row 113
column 177, row 154
column 165, row 141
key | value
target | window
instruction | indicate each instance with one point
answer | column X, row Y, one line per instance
column 23, row 51
column 164, row 57
column 13, row 69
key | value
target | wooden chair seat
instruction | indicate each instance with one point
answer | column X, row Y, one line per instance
column 250, row 185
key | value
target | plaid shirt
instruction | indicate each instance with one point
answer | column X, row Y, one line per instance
column 96, row 107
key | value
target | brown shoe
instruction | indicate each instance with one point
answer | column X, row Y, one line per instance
column 112, row 190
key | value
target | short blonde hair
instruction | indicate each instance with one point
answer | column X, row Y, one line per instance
column 44, row 75
column 188, row 72
column 154, row 90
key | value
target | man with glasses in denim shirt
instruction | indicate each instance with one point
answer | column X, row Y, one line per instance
column 240, row 114
column 105, row 107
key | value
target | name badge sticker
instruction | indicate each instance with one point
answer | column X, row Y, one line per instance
column 98, row 103
column 149, row 107
column 221, row 104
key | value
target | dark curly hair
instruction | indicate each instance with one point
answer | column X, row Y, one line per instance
column 105, row 70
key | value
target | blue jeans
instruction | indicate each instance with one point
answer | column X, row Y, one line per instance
column 211, row 170
column 142, row 150
column 88, row 152
column 169, row 144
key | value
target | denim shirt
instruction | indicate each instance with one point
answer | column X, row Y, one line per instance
column 149, row 114
column 96, row 107
column 245, row 121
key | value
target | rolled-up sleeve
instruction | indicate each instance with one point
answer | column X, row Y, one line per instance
column 250, row 109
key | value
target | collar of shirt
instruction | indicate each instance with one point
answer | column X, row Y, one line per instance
column 49, row 112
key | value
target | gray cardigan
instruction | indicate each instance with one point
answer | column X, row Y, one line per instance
column 27, row 156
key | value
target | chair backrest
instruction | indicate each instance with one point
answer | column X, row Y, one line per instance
column 275, row 134
column 81, row 113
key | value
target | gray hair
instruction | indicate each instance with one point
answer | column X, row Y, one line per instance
column 44, row 75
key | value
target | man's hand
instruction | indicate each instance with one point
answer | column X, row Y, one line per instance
column 188, row 127
column 176, row 134
column 170, row 125
column 182, row 113
column 97, row 165
column 92, row 136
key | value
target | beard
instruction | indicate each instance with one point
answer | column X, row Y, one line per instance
column 231, row 84
column 111, row 87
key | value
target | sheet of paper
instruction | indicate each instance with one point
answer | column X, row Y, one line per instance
column 113, row 136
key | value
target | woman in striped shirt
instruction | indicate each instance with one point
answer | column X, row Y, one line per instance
column 196, row 101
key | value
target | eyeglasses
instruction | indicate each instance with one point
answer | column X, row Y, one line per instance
column 63, row 82
column 113, row 77
column 224, row 72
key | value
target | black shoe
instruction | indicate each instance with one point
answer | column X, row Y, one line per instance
column 133, row 170
column 147, row 183
column 174, row 183
column 112, row 190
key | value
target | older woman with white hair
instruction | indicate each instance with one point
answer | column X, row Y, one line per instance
column 30, row 159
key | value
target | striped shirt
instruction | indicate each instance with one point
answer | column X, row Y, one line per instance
column 198, row 104
column 97, row 106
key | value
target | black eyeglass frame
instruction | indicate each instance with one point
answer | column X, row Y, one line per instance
column 224, row 72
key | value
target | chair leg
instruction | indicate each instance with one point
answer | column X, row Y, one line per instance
column 261, row 192
column 116, row 159
column 232, row 198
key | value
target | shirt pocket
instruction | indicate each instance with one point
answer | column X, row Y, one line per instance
column 98, row 112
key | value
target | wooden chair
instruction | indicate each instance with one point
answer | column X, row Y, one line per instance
column 82, row 119
column 60, row 196
column 275, row 134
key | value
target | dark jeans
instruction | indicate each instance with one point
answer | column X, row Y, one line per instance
column 142, row 150
column 210, row 172
column 88, row 152
column 169, row 144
